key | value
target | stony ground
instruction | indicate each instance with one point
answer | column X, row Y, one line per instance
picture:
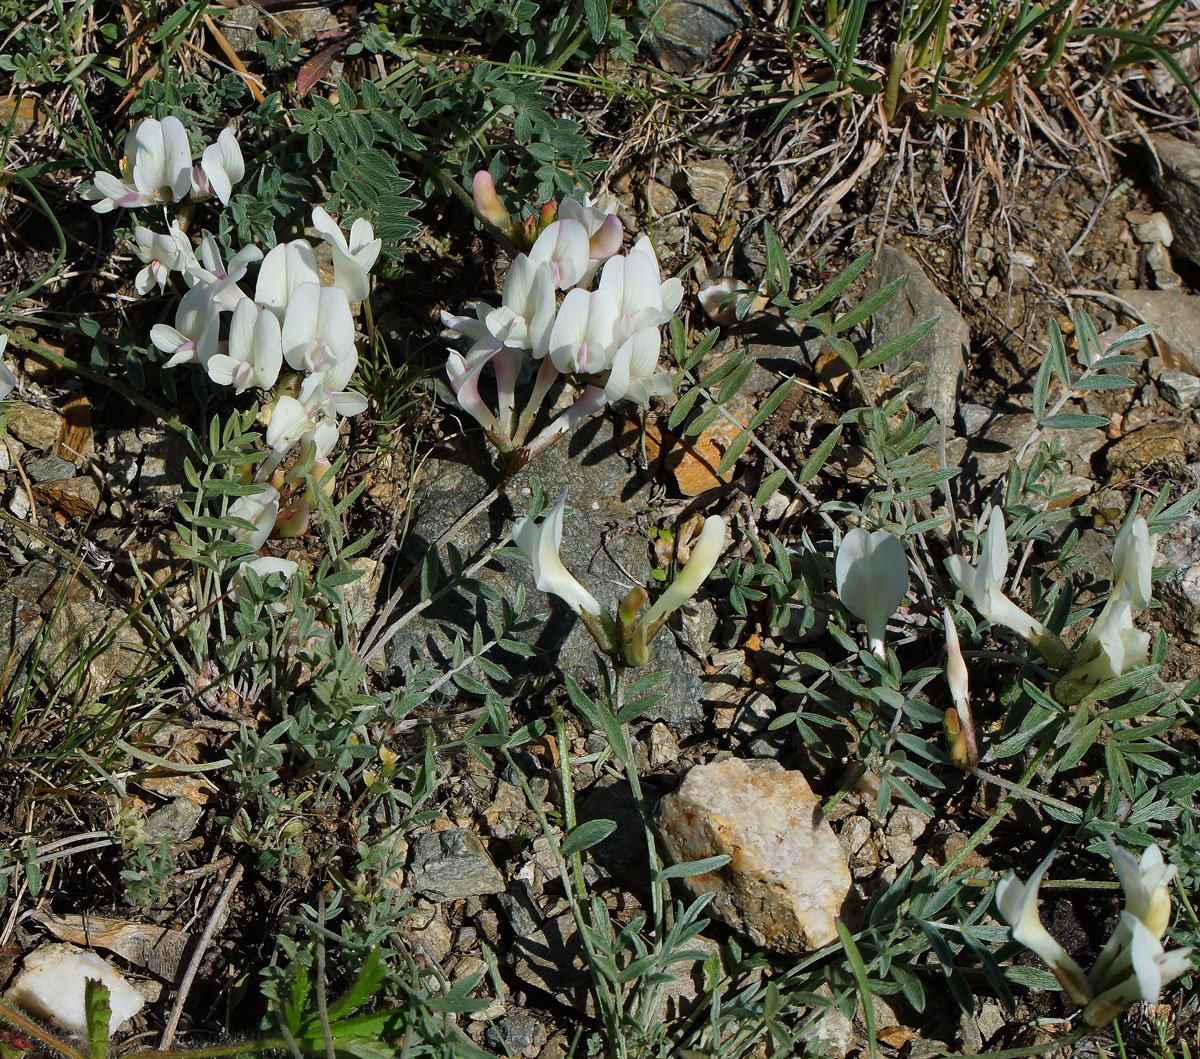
column 998, row 230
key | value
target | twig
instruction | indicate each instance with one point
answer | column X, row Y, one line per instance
column 185, row 984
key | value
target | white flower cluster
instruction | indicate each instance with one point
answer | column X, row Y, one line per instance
column 157, row 168
column 1112, row 646
column 1132, row 965
column 607, row 339
column 291, row 319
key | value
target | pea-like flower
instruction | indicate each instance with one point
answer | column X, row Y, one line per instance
column 157, row 167
column 634, row 375
column 260, row 510
column 221, row 166
column 872, row 580
column 193, row 339
column 582, row 339
column 285, row 267
column 254, row 352
column 984, row 586
column 1018, row 904
column 565, row 246
column 1132, row 965
column 1114, row 644
column 318, row 328
column 159, row 253
column 540, row 543
column 353, row 259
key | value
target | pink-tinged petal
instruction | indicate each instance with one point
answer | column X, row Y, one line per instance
column 564, row 244
column 606, row 240
column 487, row 202
column 464, row 381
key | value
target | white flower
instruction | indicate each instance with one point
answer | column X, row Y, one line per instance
column 984, row 584
column 8, row 381
column 1147, row 970
column 263, row 567
column 290, row 421
column 1133, row 563
column 526, row 314
column 582, row 338
column 564, row 244
column 260, row 510
column 872, row 580
column 255, row 350
column 352, row 260
column 193, row 339
column 463, row 373
column 540, row 544
column 634, row 375
column 635, row 282
column 956, row 668
column 318, row 328
column 157, row 167
column 286, row 266
column 160, row 254
column 324, row 393
column 705, row 551
column 222, row 166
column 206, row 271
column 604, row 232
column 1018, row 904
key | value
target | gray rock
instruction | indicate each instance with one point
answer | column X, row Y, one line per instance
column 449, row 865
column 1178, row 184
column 1179, row 388
column 1177, row 319
column 1179, row 591
column 993, row 440
column 518, row 1034
column 176, row 820
column 603, row 488
column 709, row 181
column 788, row 877
column 48, row 467
column 934, row 366
column 161, row 479
column 240, row 26
column 36, row 427
column 689, row 29
column 833, row 1033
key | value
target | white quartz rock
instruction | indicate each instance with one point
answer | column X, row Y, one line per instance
column 787, row 876
column 52, row 982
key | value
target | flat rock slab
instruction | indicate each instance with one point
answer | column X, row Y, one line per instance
column 1176, row 318
column 450, row 865
column 787, row 877
column 601, row 546
column 934, row 366
column 1175, row 173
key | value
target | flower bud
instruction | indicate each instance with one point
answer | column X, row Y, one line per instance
column 487, row 202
